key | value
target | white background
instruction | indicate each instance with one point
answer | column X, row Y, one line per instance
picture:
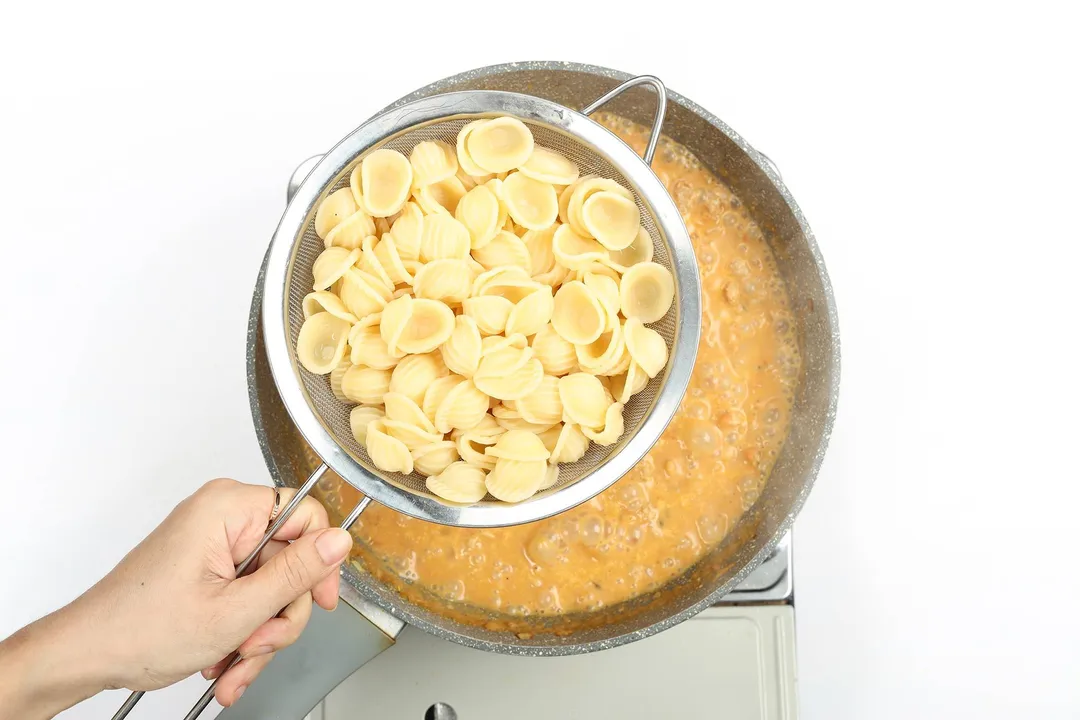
column 143, row 159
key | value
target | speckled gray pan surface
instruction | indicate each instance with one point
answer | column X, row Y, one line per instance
column 763, row 193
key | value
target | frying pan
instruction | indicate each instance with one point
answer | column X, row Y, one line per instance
column 375, row 611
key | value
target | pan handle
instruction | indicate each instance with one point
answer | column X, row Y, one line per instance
column 658, row 118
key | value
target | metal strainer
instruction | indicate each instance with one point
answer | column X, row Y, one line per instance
column 323, row 420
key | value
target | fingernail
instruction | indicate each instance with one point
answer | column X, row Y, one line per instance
column 258, row 650
column 239, row 692
column 333, row 545
column 210, row 673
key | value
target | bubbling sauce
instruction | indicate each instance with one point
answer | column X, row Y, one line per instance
column 682, row 499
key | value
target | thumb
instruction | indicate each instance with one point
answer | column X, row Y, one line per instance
column 293, row 571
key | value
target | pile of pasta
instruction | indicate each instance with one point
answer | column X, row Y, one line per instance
column 486, row 308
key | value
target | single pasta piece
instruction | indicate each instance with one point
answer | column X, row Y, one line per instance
column 368, row 348
column 490, row 312
column 503, row 250
column 434, row 458
column 329, row 302
column 461, row 352
column 413, row 436
column 554, row 277
column 321, row 343
column 584, row 399
column 542, row 406
column 494, row 343
column 538, row 243
column 550, row 167
column 647, row 347
column 531, row 313
column 429, row 325
column 359, row 419
column 550, row 477
column 580, row 196
column 389, row 259
column 440, row 197
column 511, row 282
column 516, row 480
column 365, row 385
column 402, row 408
column 571, row 445
column 386, row 181
column 575, row 251
column 578, row 316
column 335, row 379
column 531, row 203
column 414, row 374
column 646, row 292
column 639, row 251
column 611, row 218
column 465, row 161
column 606, row 290
column 460, row 482
column 351, row 231
column 447, row 280
column 471, row 449
column 499, row 145
column 518, row 445
column 515, row 385
column 387, row 453
column 331, row 264
column 395, row 316
column 437, row 392
column 551, row 436
column 462, row 409
column 514, row 422
column 407, row 231
column 628, row 384
column 613, row 427
column 443, row 237
column 432, row 162
column 362, row 294
column 566, row 194
column 334, row 208
column 479, row 212
column 605, row 354
column 556, row 354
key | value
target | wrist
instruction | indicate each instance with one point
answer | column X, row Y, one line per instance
column 48, row 667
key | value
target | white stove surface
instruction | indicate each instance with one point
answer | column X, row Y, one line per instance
column 734, row 662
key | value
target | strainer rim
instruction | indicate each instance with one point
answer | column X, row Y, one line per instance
column 377, row 130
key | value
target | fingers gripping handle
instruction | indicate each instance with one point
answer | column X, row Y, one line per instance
column 281, row 519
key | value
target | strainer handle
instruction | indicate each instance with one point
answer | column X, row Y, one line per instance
column 306, row 488
column 658, row 117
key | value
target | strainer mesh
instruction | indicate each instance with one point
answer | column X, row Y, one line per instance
column 335, row 415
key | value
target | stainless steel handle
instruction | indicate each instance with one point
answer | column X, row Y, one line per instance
column 658, row 117
column 299, row 175
column 310, row 483
column 347, row 523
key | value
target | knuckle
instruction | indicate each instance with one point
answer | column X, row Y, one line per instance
column 297, row 577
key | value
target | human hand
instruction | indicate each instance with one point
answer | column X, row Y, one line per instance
column 174, row 605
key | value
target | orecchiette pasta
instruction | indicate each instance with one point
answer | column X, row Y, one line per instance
column 385, row 181
column 387, row 453
column 485, row 308
column 584, row 400
column 646, row 292
column 332, row 263
column 460, row 482
column 447, row 280
column 321, row 343
column 415, row 374
column 432, row 162
column 577, row 315
column 365, row 385
column 500, row 145
column 531, row 313
column 337, row 206
column 461, row 351
column 647, row 348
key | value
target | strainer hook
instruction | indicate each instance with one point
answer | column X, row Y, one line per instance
column 658, row 117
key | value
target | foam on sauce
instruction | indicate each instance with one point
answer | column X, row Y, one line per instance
column 683, row 498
